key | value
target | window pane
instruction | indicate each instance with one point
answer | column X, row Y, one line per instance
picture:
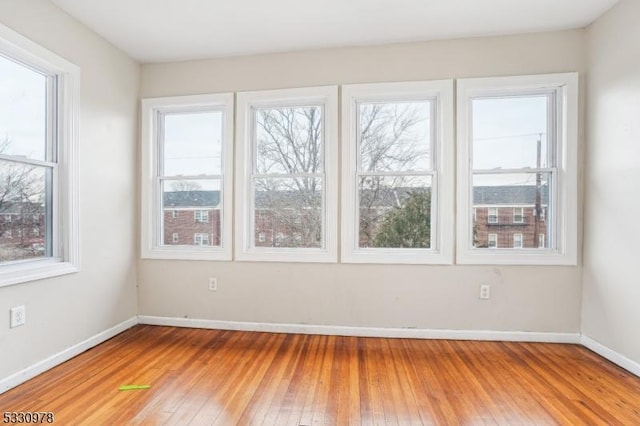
column 289, row 140
column 395, row 136
column 510, row 132
column 23, row 111
column 288, row 212
column 501, row 195
column 24, row 221
column 191, row 209
column 193, row 143
column 395, row 212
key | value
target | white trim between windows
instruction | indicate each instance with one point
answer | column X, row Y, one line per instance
column 245, row 250
column 440, row 92
column 563, row 216
column 65, row 223
column 151, row 206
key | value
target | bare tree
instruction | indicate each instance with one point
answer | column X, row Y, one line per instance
column 22, row 207
column 390, row 141
column 290, row 148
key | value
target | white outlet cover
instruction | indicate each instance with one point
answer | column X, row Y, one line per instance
column 18, row 316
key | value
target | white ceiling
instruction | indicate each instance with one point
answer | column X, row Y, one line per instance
column 171, row 30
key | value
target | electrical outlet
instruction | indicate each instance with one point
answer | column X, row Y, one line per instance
column 485, row 291
column 213, row 284
column 18, row 316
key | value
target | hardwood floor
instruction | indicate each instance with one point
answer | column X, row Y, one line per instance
column 227, row 378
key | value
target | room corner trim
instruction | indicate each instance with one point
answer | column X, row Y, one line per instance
column 613, row 356
column 411, row 333
column 64, row 355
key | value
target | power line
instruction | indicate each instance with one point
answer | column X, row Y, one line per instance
column 511, row 137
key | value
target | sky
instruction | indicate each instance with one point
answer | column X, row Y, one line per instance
column 22, row 109
column 506, row 131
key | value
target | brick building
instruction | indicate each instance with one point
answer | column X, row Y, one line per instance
column 191, row 218
column 504, row 217
column 510, row 216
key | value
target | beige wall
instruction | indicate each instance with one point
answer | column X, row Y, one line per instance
column 543, row 299
column 66, row 310
column 611, row 311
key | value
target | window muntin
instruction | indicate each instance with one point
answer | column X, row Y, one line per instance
column 517, row 147
column 186, row 167
column 287, row 181
column 396, row 172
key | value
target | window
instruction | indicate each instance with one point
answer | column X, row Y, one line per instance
column 187, row 165
column 517, row 144
column 38, row 152
column 175, row 237
column 201, row 216
column 261, row 237
column 397, row 171
column 492, row 215
column 286, row 160
column 518, row 215
column 492, row 241
column 517, row 241
column 541, row 239
column 201, row 239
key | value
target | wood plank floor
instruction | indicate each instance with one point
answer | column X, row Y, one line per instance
column 204, row 377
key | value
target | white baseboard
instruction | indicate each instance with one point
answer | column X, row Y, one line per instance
column 611, row 355
column 65, row 355
column 411, row 333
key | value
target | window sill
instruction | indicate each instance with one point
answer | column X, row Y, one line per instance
column 538, row 257
column 35, row 270
column 187, row 253
column 397, row 256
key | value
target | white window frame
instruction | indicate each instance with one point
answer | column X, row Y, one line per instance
column 199, row 238
column 441, row 92
column 521, row 215
column 563, row 216
column 151, row 209
column 541, row 240
column 64, row 118
column 495, row 238
column 489, row 215
column 518, row 237
column 246, row 249
column 201, row 216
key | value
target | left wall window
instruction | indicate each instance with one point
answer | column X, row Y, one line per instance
column 187, row 157
column 38, row 172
